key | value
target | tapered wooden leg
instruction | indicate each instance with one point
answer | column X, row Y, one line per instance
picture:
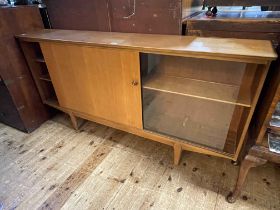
column 177, row 153
column 249, row 162
column 74, row 121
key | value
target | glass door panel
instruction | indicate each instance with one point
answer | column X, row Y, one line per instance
column 198, row 100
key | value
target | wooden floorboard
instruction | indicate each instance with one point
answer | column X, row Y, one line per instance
column 56, row 167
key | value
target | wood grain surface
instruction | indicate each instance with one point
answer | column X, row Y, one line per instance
column 255, row 51
column 85, row 80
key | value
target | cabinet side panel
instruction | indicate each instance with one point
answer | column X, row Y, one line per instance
column 96, row 81
column 14, row 70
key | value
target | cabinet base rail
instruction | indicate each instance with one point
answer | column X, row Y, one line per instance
column 177, row 144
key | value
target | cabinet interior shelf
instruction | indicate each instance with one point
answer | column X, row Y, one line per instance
column 198, row 88
column 45, row 77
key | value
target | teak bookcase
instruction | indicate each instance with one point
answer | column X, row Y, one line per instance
column 195, row 94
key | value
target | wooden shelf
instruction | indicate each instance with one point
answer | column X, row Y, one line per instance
column 45, row 78
column 40, row 60
column 199, row 89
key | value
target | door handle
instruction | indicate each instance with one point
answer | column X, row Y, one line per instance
column 134, row 83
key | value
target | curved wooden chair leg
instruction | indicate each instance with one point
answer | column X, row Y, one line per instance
column 249, row 162
column 177, row 153
column 74, row 121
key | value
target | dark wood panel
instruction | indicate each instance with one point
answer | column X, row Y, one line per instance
column 15, row 20
column 157, row 16
column 13, row 68
column 79, row 15
column 28, row 103
column 8, row 111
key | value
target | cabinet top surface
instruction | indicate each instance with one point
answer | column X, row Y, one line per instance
column 257, row 51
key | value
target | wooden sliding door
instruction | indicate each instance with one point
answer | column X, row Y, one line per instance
column 101, row 82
